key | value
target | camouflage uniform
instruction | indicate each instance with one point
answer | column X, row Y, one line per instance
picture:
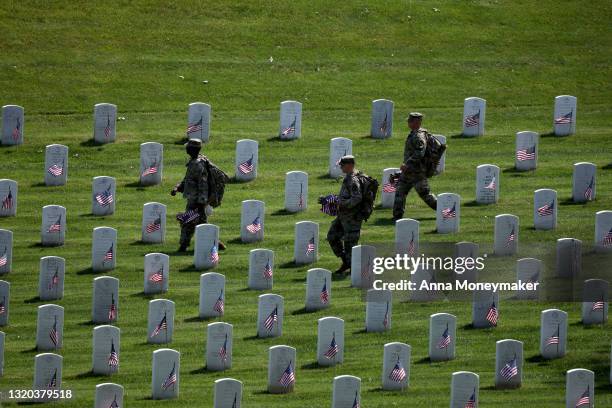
column 195, row 189
column 415, row 173
column 344, row 231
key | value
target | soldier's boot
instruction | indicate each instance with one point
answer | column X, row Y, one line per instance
column 221, row 246
column 346, row 265
column 431, row 201
column 338, row 249
column 182, row 248
column 398, row 206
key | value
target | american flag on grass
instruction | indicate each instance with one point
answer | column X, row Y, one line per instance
column 56, row 226
column 219, row 305
column 154, row 226
column 547, row 209
column 290, row 129
column 472, row 120
column 255, row 226
column 112, row 309
column 310, row 247
column 492, row 314
column 54, row 334
column 585, row 399
column 528, row 153
column 398, row 373
column 17, row 130
column 288, row 376
column 606, row 241
column 267, row 272
column 448, row 213
column 246, row 167
column 195, row 127
column 214, row 253
column 170, row 380
column 588, row 193
column 7, row 202
column 223, row 350
column 333, row 348
column 162, row 325
column 509, row 370
column 113, row 357
column 271, row 319
column 56, row 170
column 564, row 119
column 157, row 277
column 152, row 169
column 104, row 198
column 324, row 296
column 445, row 339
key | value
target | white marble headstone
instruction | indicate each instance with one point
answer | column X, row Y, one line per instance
column 442, row 164
column 156, row 273
column 487, row 183
column 474, row 110
column 579, row 384
column 569, row 257
column 151, row 163
column 109, row 395
column 252, row 220
column 53, row 226
column 290, row 120
column 12, row 125
column 8, row 198
column 261, row 269
column 296, row 191
column 553, row 333
column 247, row 159
column 103, row 195
column 281, row 369
column 160, row 327
column 382, row 119
column 442, row 336
column 584, row 187
column 153, row 229
column 564, row 115
column 318, row 289
column 464, row 389
column 506, row 234
column 346, row 392
column 387, row 196
column 330, row 341
column 508, row 363
column 421, row 278
column 485, row 309
column 219, row 346
column 206, row 254
column 379, row 309
column 448, row 213
column 407, row 236
column 306, row 242
column 465, row 249
column 212, row 295
column 104, row 249
column 105, row 299
column 5, row 294
column 338, row 147
column 603, row 231
column 105, row 122
column 270, row 312
column 2, row 338
column 396, row 366
column 6, row 251
column 198, row 121
column 545, row 207
column 526, row 152
column 49, row 328
column 47, row 373
column 228, row 393
column 362, row 264
column 530, row 271
column 56, row 165
column 106, row 351
column 166, row 374
column 595, row 301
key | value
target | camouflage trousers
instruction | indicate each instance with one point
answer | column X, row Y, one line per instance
column 405, row 184
column 188, row 229
column 343, row 235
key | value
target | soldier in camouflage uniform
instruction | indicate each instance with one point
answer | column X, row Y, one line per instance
column 414, row 168
column 344, row 231
column 195, row 189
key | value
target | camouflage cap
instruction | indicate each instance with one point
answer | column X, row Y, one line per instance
column 348, row 159
column 194, row 142
column 415, row 115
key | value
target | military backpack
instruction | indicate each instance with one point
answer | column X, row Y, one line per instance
column 433, row 154
column 369, row 189
column 217, row 179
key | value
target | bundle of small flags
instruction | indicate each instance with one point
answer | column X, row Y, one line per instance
column 329, row 204
column 187, row 216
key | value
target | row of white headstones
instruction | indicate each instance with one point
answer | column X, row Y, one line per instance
column 290, row 127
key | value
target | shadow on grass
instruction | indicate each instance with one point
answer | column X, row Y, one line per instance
column 36, row 245
column 278, row 139
column 289, row 265
column 87, row 271
column 282, row 212
column 250, row 338
column 34, row 299
column 314, row 366
column 538, row 359
column 92, row 215
column 90, row 143
column 326, row 176
column 236, row 240
column 360, row 331
column 201, row 370
column 433, row 231
column 87, row 323
column 607, row 167
column 30, row 350
column 517, row 173
column 190, row 268
column 181, row 141
column 468, row 326
column 302, row 311
column 570, row 201
column 40, row 184
column 195, row 319
column 86, row 374
column 424, row 360
column 461, row 136
column 473, row 203
column 136, row 185
column 143, row 295
column 384, row 221
column 550, row 134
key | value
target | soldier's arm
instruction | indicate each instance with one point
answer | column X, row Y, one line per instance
column 420, row 143
column 355, row 198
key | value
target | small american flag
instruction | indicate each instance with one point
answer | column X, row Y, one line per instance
column 527, row 153
column 384, row 125
column 255, row 226
column 599, row 305
column 310, row 247
column 223, row 350
column 329, row 204
column 171, row 379
column 333, row 348
column 271, row 319
column 114, row 404
column 445, row 339
column 386, row 318
column 235, row 403
column 448, row 213
column 300, row 200
column 588, row 193
column 398, row 373
column 162, row 325
column 3, row 305
column 509, row 370
column 492, row 314
column 4, row 258
column 17, row 130
column 54, row 278
column 219, row 305
column 104, row 198
column 390, row 187
column 585, row 399
column 564, row 119
column 112, row 309
column 471, row 402
column 152, row 169
column 246, row 167
column 157, row 277
column 324, row 293
column 267, row 272
column 53, row 381
column 511, row 238
column 113, row 357
column 606, row 241
column 356, row 401
column 54, row 334
column 290, row 129
column 411, row 245
column 195, row 127
column 108, row 255
column 188, row 216
column 154, row 226
column 7, row 203
column 214, row 253
column 553, row 339
column 107, row 129
column 546, row 209
column 56, row 226
column 491, row 184
column 472, row 120
column 533, row 278
column 56, row 170
column 288, row 376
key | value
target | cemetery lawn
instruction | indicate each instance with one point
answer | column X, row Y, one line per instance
column 151, row 58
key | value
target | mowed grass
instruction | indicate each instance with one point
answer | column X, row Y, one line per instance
column 150, row 58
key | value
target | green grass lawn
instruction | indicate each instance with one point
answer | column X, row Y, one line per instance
column 150, row 59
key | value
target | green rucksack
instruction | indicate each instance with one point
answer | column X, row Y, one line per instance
column 217, row 179
column 433, row 154
column 369, row 189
